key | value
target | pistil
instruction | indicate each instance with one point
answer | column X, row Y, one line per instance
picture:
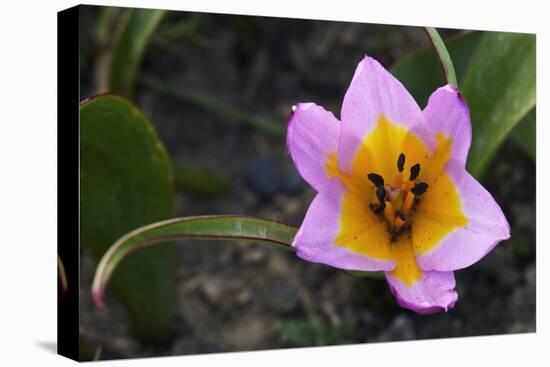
column 399, row 221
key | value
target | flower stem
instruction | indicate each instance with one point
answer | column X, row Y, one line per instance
column 443, row 54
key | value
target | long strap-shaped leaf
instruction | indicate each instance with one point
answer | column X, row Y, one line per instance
column 212, row 227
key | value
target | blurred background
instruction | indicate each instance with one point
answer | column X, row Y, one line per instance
column 218, row 89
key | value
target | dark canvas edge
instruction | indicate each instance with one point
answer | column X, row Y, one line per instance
column 68, row 179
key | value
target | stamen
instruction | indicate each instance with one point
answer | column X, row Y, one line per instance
column 398, row 180
column 409, row 200
column 397, row 199
column 376, row 179
column 389, row 211
column 381, row 195
column 401, row 162
column 407, row 186
column 420, row 188
column 415, row 170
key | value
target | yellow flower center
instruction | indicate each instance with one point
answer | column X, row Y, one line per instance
column 411, row 212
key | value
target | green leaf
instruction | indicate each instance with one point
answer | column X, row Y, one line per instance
column 524, row 134
column 106, row 24
column 419, row 71
column 180, row 29
column 130, row 47
column 126, row 182
column 499, row 87
column 221, row 227
column 196, row 180
column 520, row 244
column 443, row 54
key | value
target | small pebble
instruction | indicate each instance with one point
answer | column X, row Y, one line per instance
column 264, row 177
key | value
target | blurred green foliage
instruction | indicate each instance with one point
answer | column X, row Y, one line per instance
column 97, row 354
column 125, row 182
column 519, row 243
column 314, row 332
column 525, row 134
column 137, row 27
column 175, row 31
column 198, row 181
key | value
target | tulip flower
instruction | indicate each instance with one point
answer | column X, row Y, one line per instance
column 393, row 194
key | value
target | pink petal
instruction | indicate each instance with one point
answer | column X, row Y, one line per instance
column 312, row 134
column 486, row 226
column 447, row 112
column 433, row 293
column 374, row 91
column 315, row 239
